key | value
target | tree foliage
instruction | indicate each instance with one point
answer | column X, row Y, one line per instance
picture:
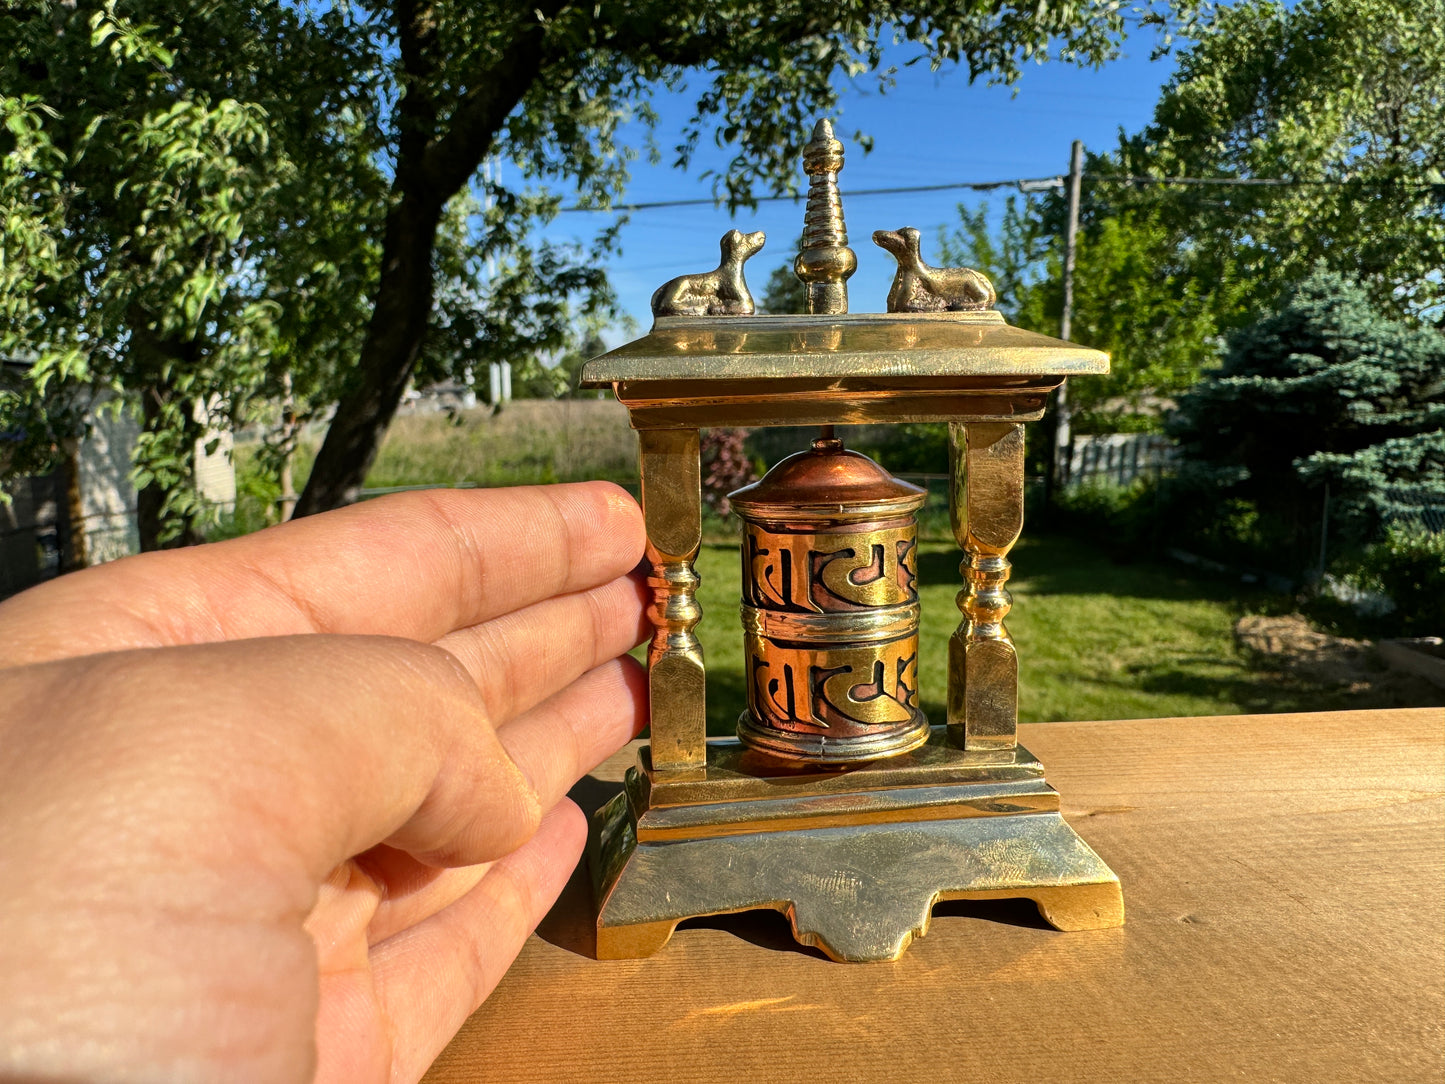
column 212, row 205
column 784, row 293
column 188, row 200
column 552, row 89
column 726, row 467
column 1340, row 100
column 1335, row 104
column 1327, row 390
column 1136, row 296
column 1409, row 566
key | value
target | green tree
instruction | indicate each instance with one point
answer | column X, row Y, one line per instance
column 548, row 87
column 186, row 218
column 1136, row 296
column 1335, row 104
column 1329, row 389
column 561, row 379
column 300, row 216
column 784, row 293
column 1340, row 100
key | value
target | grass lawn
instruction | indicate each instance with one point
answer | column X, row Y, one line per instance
column 1096, row 639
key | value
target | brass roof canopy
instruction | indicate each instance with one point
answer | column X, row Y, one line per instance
column 837, row 767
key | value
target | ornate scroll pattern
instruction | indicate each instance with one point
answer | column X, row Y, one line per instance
column 832, row 572
column 844, row 690
column 986, row 506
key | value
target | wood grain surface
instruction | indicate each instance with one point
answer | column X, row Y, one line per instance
column 1284, row 881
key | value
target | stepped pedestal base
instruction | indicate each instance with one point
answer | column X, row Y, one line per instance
column 855, row 857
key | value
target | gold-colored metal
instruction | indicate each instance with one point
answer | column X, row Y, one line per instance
column 825, row 262
column 722, row 292
column 804, row 370
column 672, row 512
column 829, row 809
column 935, row 348
column 845, row 402
column 918, row 287
column 986, row 508
column 830, row 609
column 734, row 773
column 855, row 858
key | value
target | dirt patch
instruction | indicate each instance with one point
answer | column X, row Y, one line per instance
column 1351, row 671
column 1292, row 644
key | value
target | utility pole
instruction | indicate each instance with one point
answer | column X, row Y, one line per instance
column 1059, row 475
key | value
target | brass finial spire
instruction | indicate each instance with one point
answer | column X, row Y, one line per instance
column 826, row 260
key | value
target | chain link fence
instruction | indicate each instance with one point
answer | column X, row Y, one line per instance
column 1419, row 507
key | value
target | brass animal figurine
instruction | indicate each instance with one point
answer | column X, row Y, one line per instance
column 920, row 288
column 714, row 293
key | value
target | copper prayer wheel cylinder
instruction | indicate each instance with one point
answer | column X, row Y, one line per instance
column 830, row 609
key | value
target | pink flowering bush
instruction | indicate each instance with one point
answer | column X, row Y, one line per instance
column 725, row 467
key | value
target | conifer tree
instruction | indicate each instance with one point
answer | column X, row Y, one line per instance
column 1329, row 390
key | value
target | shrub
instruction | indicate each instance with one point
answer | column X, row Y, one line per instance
column 1328, row 391
column 725, row 467
column 1410, row 568
column 257, row 494
column 1123, row 517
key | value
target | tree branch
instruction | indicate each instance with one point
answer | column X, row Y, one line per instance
column 416, row 111
column 450, row 161
column 636, row 32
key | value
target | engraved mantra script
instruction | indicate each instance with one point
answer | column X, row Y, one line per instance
column 844, row 688
column 830, row 573
column 875, row 685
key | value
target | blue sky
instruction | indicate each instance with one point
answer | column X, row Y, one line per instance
column 932, row 128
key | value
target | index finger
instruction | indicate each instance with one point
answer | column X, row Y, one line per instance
column 414, row 565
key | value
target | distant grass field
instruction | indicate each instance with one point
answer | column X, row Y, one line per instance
column 531, row 441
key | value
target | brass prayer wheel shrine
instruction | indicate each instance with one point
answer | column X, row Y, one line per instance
column 839, row 802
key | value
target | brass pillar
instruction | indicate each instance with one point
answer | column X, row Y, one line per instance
column 986, row 509
column 672, row 512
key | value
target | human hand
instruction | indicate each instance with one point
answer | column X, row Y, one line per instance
column 290, row 804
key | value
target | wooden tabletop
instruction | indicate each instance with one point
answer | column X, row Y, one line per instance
column 1284, row 882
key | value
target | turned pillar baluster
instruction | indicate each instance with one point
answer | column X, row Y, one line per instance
column 986, row 506
column 672, row 510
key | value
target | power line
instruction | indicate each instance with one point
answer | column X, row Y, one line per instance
column 852, row 193
column 1030, row 184
column 1276, row 182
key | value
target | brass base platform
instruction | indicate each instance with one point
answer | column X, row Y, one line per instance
column 855, row 857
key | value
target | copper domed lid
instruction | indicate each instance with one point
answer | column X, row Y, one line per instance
column 829, row 481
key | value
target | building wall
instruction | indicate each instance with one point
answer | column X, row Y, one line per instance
column 106, row 495
column 216, row 473
column 34, row 525
column 109, row 499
